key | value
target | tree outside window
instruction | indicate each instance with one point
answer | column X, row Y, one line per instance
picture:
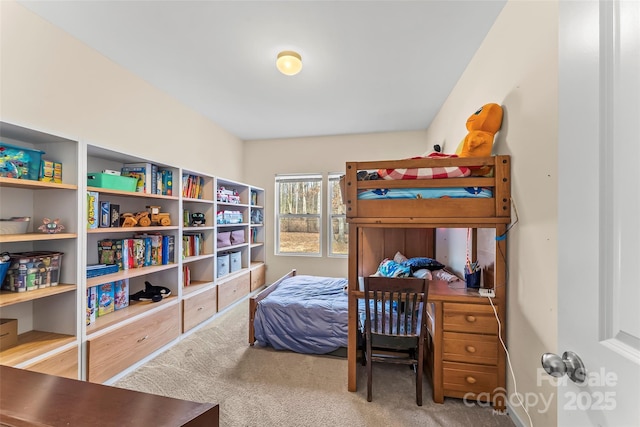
column 338, row 228
column 298, row 210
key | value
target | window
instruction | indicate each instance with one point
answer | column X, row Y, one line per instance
column 338, row 228
column 298, row 214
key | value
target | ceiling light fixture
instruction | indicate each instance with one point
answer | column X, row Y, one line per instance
column 289, row 62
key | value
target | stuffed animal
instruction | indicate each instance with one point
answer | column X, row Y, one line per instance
column 482, row 126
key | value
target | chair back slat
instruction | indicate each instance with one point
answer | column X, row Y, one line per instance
column 393, row 306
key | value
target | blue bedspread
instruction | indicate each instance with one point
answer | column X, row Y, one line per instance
column 305, row 314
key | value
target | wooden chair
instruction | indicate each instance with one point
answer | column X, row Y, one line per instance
column 395, row 325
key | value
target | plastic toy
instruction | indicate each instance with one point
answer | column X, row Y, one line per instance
column 50, row 226
column 197, row 219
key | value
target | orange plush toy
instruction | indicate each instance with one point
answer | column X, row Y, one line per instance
column 482, row 126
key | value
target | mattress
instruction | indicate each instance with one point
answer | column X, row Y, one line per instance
column 425, row 193
column 305, row 314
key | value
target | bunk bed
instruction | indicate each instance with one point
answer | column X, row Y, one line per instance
column 464, row 357
column 301, row 313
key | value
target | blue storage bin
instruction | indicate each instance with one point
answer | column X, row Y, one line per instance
column 19, row 162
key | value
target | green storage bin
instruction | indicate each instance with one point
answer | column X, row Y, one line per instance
column 113, row 182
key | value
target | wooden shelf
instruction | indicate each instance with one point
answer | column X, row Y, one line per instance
column 127, row 274
column 35, row 237
column 257, row 244
column 241, row 224
column 34, row 185
column 135, row 308
column 189, row 200
column 196, row 258
column 33, row 344
column 195, row 286
column 131, row 193
column 105, row 230
column 10, row 298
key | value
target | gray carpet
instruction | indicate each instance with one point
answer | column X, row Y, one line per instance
column 261, row 387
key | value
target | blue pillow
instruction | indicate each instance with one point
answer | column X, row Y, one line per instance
column 390, row 268
column 423, row 262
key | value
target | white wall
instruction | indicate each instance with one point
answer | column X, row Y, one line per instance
column 52, row 82
column 266, row 158
column 517, row 67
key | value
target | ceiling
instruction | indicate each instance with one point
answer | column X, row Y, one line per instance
column 368, row 66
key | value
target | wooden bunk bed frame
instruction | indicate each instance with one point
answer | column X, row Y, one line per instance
column 464, row 355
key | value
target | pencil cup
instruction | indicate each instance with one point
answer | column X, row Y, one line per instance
column 473, row 279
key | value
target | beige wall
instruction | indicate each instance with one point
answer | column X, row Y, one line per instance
column 52, row 82
column 517, row 67
column 264, row 159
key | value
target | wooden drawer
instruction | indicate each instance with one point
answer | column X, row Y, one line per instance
column 63, row 364
column 470, row 348
column 472, row 318
column 232, row 290
column 114, row 351
column 198, row 308
column 461, row 378
column 257, row 277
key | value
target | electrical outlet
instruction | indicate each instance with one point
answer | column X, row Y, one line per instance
column 486, row 292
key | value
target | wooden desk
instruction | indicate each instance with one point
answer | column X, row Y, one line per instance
column 463, row 355
column 34, row 399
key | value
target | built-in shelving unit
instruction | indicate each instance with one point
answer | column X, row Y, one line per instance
column 53, row 323
column 47, row 318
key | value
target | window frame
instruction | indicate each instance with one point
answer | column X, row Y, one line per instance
column 304, row 177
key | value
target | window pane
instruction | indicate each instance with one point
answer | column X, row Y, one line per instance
column 299, row 205
column 299, row 234
column 299, row 197
column 338, row 227
column 339, row 236
column 337, row 207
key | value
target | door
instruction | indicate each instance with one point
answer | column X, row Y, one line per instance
column 599, row 214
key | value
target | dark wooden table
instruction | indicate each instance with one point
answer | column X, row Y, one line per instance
column 34, row 399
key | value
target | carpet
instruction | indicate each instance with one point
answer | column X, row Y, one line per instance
column 257, row 386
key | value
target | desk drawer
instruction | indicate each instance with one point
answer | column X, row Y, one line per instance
column 472, row 318
column 462, row 378
column 232, row 290
column 63, row 364
column 114, row 351
column 198, row 308
column 470, row 348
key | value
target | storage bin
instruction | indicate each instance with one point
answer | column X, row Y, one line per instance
column 19, row 162
column 33, row 270
column 235, row 261
column 113, row 182
column 14, row 225
column 223, row 265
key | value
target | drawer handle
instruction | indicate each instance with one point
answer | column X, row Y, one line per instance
column 471, row 349
column 471, row 380
column 471, row 318
column 143, row 338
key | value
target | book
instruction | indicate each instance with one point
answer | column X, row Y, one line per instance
column 167, row 182
column 168, row 249
column 105, row 214
column 121, row 294
column 93, row 209
column 92, row 301
column 110, row 252
column 138, row 252
column 106, row 299
column 150, row 171
column 114, row 216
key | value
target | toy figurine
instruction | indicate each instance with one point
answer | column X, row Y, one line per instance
column 51, row 227
column 197, row 219
column 158, row 218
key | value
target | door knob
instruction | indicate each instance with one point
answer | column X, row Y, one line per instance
column 570, row 364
